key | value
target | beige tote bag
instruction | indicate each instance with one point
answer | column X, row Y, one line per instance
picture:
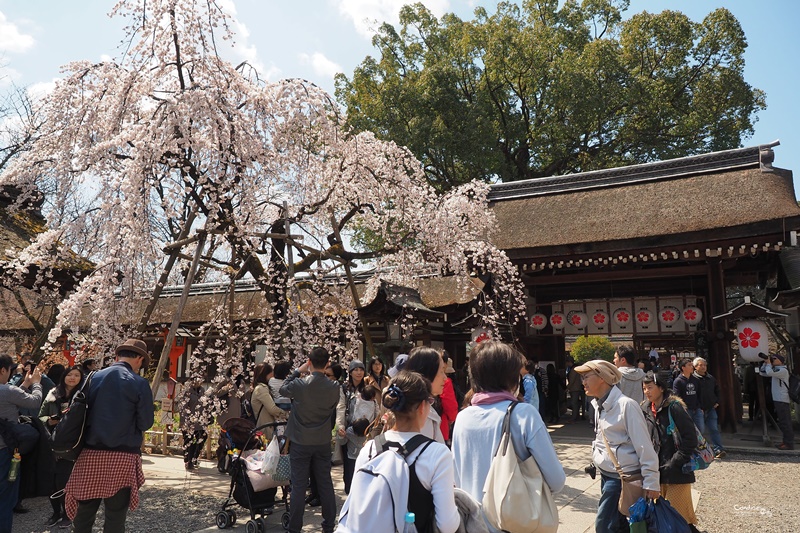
column 516, row 498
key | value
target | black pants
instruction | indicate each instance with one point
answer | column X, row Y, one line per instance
column 62, row 472
column 116, row 511
column 784, row 412
column 304, row 459
column 348, row 469
column 193, row 442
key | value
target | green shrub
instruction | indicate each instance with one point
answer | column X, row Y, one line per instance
column 592, row 347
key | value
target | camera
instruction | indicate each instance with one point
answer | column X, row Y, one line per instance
column 591, row 470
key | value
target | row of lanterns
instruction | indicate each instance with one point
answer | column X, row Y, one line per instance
column 669, row 315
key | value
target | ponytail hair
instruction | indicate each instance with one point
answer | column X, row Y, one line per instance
column 405, row 392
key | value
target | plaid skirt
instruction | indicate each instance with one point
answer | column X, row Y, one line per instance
column 101, row 474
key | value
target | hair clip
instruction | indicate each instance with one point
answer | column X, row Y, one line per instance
column 398, row 395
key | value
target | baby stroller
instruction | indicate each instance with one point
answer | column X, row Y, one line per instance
column 260, row 500
column 234, row 434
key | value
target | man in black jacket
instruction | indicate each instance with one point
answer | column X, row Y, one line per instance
column 314, row 399
column 709, row 400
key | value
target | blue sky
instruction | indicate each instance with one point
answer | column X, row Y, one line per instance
column 313, row 39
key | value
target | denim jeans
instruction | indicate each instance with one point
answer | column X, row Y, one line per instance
column 8, row 491
column 712, row 425
column 699, row 419
column 609, row 519
column 304, row 459
column 116, row 509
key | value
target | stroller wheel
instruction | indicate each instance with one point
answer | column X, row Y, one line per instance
column 285, row 521
column 251, row 527
column 262, row 524
column 232, row 517
column 223, row 520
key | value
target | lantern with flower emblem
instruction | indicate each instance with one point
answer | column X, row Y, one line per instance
column 599, row 319
column 538, row 321
column 644, row 317
column 669, row 316
column 481, row 334
column 577, row 319
column 558, row 320
column 753, row 336
column 692, row 315
column 622, row 317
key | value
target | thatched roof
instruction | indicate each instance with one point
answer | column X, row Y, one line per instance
column 731, row 189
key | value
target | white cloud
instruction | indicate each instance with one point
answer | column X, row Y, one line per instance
column 368, row 15
column 39, row 90
column 321, row 65
column 11, row 39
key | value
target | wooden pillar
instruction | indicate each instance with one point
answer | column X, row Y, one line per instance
column 720, row 356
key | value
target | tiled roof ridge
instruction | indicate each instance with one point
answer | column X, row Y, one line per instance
column 737, row 158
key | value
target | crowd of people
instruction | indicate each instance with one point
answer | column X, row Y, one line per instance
column 644, row 420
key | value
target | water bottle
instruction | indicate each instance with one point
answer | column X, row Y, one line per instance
column 409, row 526
column 13, row 470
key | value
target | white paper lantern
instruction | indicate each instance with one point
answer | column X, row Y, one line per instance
column 558, row 320
column 538, row 321
column 599, row 319
column 669, row 315
column 644, row 317
column 622, row 317
column 692, row 315
column 753, row 339
column 578, row 319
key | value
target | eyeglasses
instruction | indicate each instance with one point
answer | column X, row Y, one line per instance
column 586, row 376
column 329, row 374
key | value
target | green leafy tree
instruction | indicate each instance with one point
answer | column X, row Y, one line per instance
column 592, row 347
column 537, row 90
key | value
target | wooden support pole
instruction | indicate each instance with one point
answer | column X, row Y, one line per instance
column 176, row 319
column 356, row 299
column 162, row 280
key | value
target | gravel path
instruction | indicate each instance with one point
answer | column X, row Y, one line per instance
column 160, row 510
column 750, row 493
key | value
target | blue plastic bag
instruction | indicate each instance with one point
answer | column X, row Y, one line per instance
column 663, row 518
column 637, row 521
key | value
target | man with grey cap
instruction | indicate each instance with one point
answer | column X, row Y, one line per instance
column 109, row 468
column 622, row 437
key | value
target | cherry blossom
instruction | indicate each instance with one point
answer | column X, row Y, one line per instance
column 170, row 143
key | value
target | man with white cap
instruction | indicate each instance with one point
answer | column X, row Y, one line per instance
column 621, row 431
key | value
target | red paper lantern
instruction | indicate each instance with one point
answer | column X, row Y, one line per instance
column 669, row 315
column 644, row 317
column 692, row 315
column 538, row 321
column 622, row 317
column 558, row 320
